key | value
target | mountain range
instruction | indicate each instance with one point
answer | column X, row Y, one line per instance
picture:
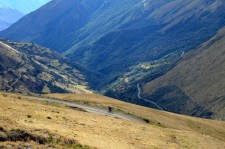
column 12, row 11
column 95, row 34
column 164, row 59
column 8, row 16
column 23, row 6
column 131, row 42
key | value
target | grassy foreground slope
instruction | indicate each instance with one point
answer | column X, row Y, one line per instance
column 60, row 125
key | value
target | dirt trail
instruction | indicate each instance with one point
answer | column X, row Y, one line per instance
column 90, row 109
column 139, row 96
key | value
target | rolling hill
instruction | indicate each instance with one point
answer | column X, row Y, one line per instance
column 29, row 123
column 29, row 68
column 196, row 86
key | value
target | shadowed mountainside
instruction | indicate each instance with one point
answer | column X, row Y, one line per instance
column 196, row 86
column 116, row 37
column 52, row 24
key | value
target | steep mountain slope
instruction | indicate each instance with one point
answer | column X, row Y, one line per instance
column 26, row 67
column 8, row 16
column 95, row 33
column 128, row 42
column 23, row 6
column 196, row 86
column 53, row 23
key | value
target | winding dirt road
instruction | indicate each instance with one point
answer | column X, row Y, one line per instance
column 146, row 100
column 90, row 109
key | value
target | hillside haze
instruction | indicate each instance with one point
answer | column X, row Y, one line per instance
column 24, row 6
column 13, row 10
column 8, row 16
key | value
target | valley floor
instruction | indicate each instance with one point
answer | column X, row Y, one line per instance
column 59, row 126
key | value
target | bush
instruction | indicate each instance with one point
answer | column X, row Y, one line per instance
column 29, row 116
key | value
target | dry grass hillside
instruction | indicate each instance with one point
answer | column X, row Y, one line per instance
column 27, row 67
column 54, row 125
column 196, row 86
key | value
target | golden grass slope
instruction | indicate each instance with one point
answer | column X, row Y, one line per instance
column 165, row 130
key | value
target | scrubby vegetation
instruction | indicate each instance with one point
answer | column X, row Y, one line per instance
column 195, row 86
column 22, row 136
column 29, row 68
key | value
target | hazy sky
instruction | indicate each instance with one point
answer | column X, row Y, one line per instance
column 24, row 6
